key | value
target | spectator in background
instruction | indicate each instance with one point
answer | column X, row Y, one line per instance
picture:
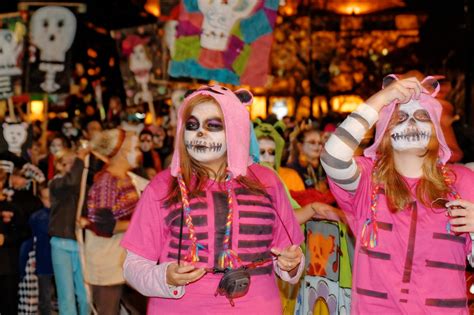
column 13, row 231
column 39, row 222
column 110, row 204
column 64, row 193
column 56, row 143
column 151, row 162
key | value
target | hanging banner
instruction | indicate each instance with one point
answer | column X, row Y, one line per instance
column 227, row 41
column 12, row 33
column 52, row 30
column 141, row 63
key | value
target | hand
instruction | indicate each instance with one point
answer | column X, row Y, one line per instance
column 325, row 211
column 6, row 216
column 289, row 258
column 2, row 239
column 83, row 222
column 401, row 91
column 183, row 274
column 462, row 216
column 82, row 152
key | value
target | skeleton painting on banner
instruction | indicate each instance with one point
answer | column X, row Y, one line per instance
column 224, row 40
column 52, row 30
column 12, row 33
column 141, row 63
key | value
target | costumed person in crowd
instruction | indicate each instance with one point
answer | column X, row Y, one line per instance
column 329, row 243
column 64, row 194
column 213, row 211
column 395, row 196
column 57, row 143
column 13, row 231
column 110, row 204
column 271, row 145
column 151, row 162
column 163, row 144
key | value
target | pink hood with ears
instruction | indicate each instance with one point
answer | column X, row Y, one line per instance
column 428, row 102
column 237, row 127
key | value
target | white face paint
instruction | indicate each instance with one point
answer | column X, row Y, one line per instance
column 413, row 128
column 56, row 146
column 267, row 151
column 312, row 145
column 204, row 135
column 134, row 153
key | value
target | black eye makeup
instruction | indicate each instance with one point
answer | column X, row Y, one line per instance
column 212, row 124
column 401, row 117
column 269, row 151
column 422, row 115
column 192, row 124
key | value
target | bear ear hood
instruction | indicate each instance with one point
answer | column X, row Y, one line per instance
column 237, row 126
column 427, row 101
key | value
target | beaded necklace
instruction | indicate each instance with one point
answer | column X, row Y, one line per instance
column 228, row 258
column 369, row 234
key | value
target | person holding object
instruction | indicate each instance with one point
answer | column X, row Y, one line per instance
column 217, row 223
column 408, row 257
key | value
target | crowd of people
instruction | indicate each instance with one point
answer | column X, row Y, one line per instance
column 218, row 214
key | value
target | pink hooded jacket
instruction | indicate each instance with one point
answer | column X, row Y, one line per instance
column 417, row 267
column 236, row 119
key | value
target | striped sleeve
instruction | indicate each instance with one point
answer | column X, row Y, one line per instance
column 337, row 157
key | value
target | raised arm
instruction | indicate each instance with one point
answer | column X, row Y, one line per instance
column 337, row 157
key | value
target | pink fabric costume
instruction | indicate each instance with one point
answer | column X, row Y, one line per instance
column 417, row 267
column 153, row 234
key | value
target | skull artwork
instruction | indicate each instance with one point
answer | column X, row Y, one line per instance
column 10, row 48
column 220, row 17
column 52, row 30
column 413, row 127
column 140, row 64
column 15, row 135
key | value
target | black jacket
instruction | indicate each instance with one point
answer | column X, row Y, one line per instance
column 64, row 196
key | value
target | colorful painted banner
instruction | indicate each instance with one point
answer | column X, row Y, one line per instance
column 12, row 33
column 141, row 63
column 52, row 30
column 224, row 40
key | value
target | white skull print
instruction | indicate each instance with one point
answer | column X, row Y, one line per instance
column 204, row 134
column 220, row 17
column 52, row 31
column 10, row 48
column 413, row 127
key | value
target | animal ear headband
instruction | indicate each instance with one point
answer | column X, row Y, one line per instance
column 430, row 84
column 243, row 95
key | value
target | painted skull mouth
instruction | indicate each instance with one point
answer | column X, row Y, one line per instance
column 203, row 146
column 411, row 136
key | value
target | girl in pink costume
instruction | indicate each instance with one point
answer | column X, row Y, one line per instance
column 230, row 210
column 408, row 258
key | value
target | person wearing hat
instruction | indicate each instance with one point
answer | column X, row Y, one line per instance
column 110, row 204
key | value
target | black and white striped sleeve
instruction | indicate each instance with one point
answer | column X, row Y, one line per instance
column 337, row 157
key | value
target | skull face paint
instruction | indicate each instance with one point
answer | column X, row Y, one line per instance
column 204, row 135
column 413, row 127
column 267, row 151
